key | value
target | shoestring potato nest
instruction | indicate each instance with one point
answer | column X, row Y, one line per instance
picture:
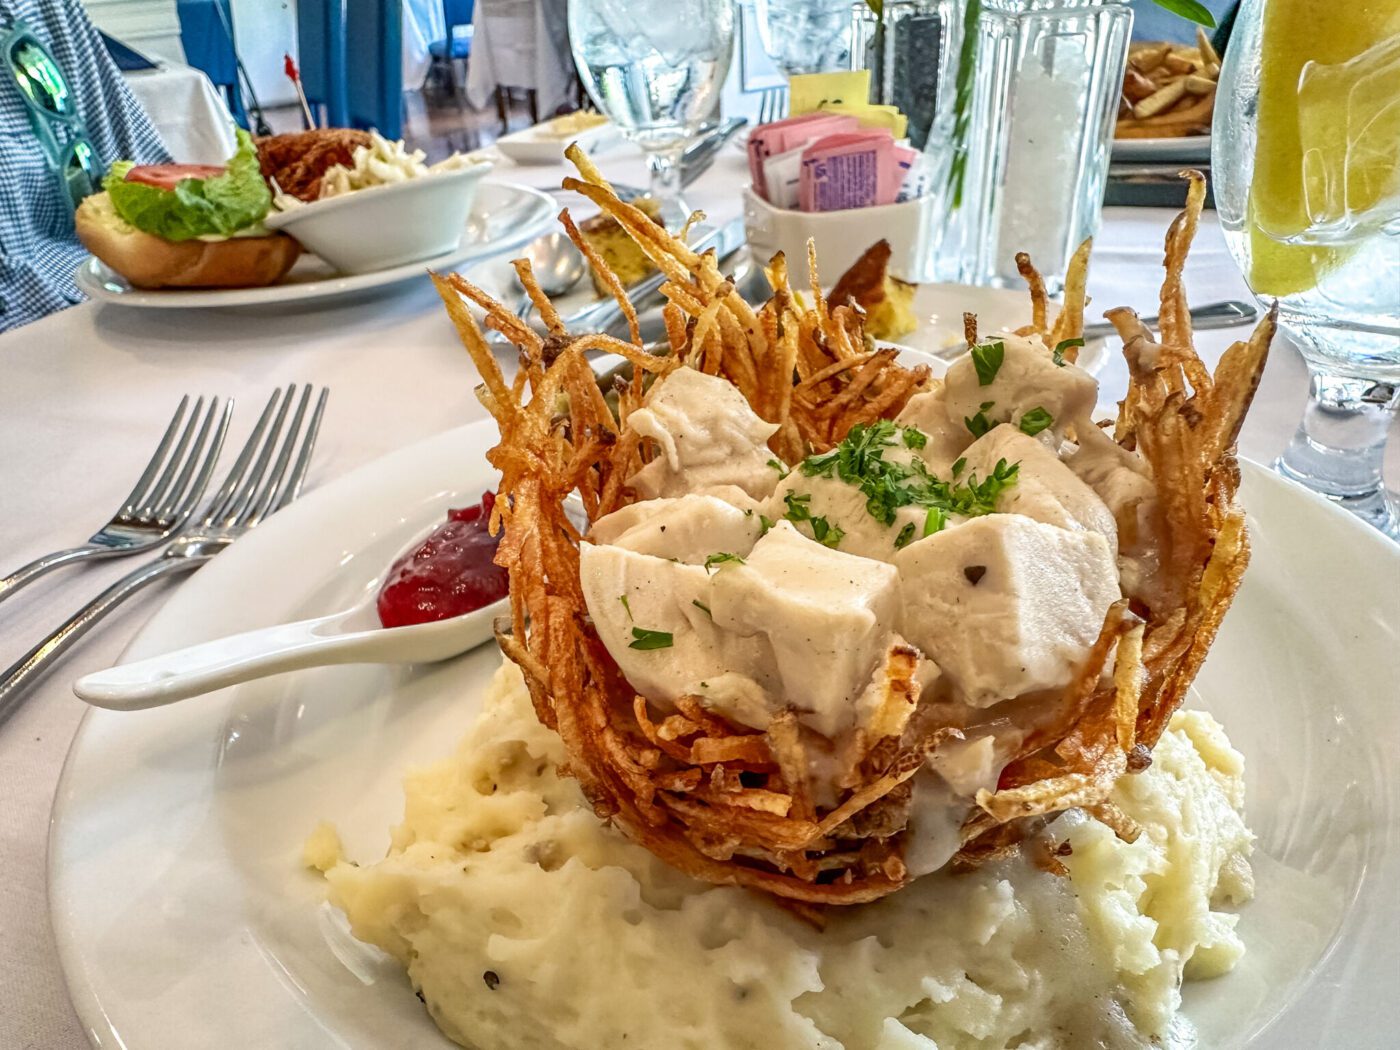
column 730, row 805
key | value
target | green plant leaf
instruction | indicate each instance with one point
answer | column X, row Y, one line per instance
column 1190, row 10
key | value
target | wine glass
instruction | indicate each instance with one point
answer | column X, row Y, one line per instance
column 805, row 36
column 1306, row 157
column 656, row 68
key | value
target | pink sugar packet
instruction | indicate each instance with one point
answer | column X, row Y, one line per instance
column 782, row 136
column 851, row 170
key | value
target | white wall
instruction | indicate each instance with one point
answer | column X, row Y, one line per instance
column 264, row 31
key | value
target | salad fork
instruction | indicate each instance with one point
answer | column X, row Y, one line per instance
column 772, row 104
column 257, row 485
column 161, row 501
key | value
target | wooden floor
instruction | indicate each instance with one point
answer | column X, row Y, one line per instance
column 434, row 121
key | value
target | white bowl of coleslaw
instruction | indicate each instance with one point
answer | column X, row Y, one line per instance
column 390, row 209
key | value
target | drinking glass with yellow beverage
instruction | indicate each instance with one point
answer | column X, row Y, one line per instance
column 1306, row 159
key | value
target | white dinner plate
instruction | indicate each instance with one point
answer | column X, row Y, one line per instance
column 504, row 217
column 939, row 308
column 184, row 918
column 1188, row 149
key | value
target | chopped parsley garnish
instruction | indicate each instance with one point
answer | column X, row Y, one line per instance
column 797, row 509
column 702, row 607
column 860, row 461
column 825, row 533
column 782, row 470
column 982, row 496
column 905, row 535
column 958, row 465
column 915, row 438
column 1059, row 352
column 1036, row 420
column 721, row 557
column 764, row 524
column 934, row 520
column 644, row 639
column 987, row 359
column 623, row 599
column 979, row 424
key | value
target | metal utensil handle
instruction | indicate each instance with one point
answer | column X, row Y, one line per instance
column 20, row 675
column 1227, row 313
column 27, row 574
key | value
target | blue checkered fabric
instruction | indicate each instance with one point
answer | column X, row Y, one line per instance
column 38, row 251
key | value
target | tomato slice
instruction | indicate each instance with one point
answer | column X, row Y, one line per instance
column 167, row 176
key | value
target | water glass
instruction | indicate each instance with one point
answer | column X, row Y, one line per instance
column 656, row 68
column 1039, row 131
column 806, row 36
column 1306, row 157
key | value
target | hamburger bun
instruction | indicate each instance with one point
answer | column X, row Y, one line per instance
column 147, row 261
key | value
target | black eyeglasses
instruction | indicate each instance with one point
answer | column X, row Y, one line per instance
column 53, row 112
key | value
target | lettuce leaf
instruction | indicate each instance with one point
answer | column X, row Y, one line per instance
column 221, row 205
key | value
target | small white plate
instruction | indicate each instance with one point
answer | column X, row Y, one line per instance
column 504, row 217
column 1189, row 149
column 184, row 918
column 940, row 308
column 534, row 145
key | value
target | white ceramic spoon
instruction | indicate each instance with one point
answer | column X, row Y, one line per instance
column 335, row 639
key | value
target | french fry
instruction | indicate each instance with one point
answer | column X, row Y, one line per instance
column 1161, row 99
column 1149, row 57
column 1137, row 86
column 1209, row 56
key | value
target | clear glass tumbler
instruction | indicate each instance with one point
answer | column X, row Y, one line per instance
column 1306, row 157
column 1040, row 111
column 656, row 68
column 806, row 36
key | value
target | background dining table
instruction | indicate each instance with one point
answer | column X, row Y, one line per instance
column 85, row 393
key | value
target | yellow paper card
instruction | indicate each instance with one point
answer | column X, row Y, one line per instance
column 872, row 116
column 808, row 91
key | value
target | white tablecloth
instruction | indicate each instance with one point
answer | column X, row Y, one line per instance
column 187, row 110
column 86, row 392
column 521, row 44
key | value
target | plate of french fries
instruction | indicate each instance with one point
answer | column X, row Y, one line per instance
column 1168, row 98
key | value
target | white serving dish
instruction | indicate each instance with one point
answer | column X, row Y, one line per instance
column 538, row 145
column 842, row 236
column 386, row 226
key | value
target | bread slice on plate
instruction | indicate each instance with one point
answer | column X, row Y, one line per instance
column 148, row 261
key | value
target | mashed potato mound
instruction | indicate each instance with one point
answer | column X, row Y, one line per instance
column 526, row 923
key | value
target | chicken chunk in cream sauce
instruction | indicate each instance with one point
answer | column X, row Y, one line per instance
column 707, row 436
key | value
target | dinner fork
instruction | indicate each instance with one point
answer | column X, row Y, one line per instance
column 772, row 105
column 257, row 485
column 162, row 500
